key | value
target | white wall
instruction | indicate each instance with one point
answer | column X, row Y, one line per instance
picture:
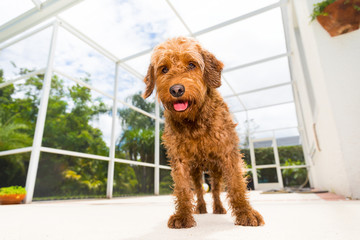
column 334, row 70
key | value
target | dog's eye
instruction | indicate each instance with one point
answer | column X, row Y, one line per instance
column 164, row 70
column 192, row 65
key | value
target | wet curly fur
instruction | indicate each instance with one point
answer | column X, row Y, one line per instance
column 199, row 132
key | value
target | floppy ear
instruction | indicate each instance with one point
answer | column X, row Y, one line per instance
column 149, row 80
column 212, row 70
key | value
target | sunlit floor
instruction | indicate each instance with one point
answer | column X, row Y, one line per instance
column 287, row 216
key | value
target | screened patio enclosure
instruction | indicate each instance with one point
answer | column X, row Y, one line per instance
column 71, row 82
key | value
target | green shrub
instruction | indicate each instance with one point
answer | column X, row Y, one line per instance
column 288, row 156
column 12, row 190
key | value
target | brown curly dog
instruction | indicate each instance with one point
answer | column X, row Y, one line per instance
column 199, row 131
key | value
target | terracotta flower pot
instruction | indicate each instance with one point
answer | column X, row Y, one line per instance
column 11, row 198
column 342, row 17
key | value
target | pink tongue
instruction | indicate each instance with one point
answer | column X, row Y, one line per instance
column 180, row 106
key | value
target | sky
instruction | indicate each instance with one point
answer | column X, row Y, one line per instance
column 126, row 27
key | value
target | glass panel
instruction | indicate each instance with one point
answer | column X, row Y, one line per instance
column 140, row 64
column 164, row 160
column 130, row 91
column 209, row 13
column 259, row 75
column 135, row 25
column 77, row 119
column 66, row 177
column 133, row 180
column 12, row 8
column 289, row 147
column 234, row 104
column 135, row 136
column 291, row 155
column 245, row 128
column 250, row 181
column 288, row 141
column 280, row 116
column 76, row 58
column 266, row 134
column 264, row 153
column 292, row 133
column 247, row 157
column 267, row 175
column 245, row 41
column 295, row 177
column 19, row 104
column 224, row 89
column 14, row 169
column 29, row 54
column 166, row 182
column 267, row 97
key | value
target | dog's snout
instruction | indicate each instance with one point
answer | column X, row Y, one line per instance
column 177, row 90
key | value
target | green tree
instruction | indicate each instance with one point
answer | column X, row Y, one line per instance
column 68, row 126
column 137, row 140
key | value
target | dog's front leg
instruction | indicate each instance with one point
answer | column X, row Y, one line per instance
column 182, row 217
column 236, row 190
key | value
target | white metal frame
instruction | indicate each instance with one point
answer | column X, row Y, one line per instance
column 40, row 121
column 276, row 165
column 34, row 16
column 50, row 8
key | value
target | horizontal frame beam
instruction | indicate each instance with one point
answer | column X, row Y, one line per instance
column 271, row 130
column 281, row 167
column 40, row 71
column 28, row 34
column 294, row 166
column 33, row 17
column 97, row 157
column 16, row 151
column 258, row 89
column 37, row 3
column 268, row 59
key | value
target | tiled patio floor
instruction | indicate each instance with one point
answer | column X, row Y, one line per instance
column 287, row 216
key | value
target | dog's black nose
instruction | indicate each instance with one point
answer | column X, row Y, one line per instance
column 177, row 90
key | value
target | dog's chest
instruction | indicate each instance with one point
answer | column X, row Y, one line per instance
column 199, row 146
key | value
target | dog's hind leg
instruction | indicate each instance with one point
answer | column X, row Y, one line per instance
column 215, row 189
column 196, row 175
column 182, row 218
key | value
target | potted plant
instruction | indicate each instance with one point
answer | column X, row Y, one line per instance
column 12, row 195
column 337, row 16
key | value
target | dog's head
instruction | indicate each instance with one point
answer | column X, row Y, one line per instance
column 183, row 73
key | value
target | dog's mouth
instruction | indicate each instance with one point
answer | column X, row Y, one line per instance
column 181, row 106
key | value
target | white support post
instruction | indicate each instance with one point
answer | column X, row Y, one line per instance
column 157, row 149
column 277, row 161
column 288, row 25
column 111, row 166
column 253, row 163
column 40, row 122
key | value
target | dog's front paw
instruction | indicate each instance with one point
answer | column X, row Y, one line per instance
column 200, row 209
column 249, row 218
column 181, row 221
